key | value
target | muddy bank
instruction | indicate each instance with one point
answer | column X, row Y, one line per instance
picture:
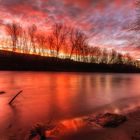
column 85, row 129
column 130, row 130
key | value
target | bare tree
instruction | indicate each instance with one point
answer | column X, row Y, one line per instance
column 82, row 47
column 86, row 53
column 26, row 48
column 104, row 56
column 119, row 59
column 20, row 44
column 78, row 41
column 32, row 34
column 95, row 54
column 60, row 33
column 13, row 30
column 50, row 42
column 41, row 40
column 73, row 41
column 128, row 59
column 113, row 56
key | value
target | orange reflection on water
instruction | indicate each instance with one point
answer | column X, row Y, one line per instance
column 67, row 126
column 58, row 96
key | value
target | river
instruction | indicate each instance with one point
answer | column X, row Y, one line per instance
column 58, row 96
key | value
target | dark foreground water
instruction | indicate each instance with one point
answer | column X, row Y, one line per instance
column 59, row 96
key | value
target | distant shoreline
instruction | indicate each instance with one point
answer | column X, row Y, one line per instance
column 25, row 62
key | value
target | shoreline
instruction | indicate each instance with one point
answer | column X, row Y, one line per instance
column 77, row 129
column 81, row 129
column 129, row 130
column 25, row 62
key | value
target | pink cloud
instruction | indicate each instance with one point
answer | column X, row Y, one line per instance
column 109, row 18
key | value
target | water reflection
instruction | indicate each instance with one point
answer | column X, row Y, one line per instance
column 60, row 96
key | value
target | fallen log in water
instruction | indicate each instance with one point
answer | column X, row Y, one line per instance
column 11, row 101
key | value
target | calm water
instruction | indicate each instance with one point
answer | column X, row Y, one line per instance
column 61, row 96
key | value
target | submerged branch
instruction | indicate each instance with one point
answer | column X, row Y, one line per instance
column 15, row 97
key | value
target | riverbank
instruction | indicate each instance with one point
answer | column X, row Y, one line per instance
column 130, row 130
column 27, row 62
column 78, row 129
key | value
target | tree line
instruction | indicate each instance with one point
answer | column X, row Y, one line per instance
column 62, row 42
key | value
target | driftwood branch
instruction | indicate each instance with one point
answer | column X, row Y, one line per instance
column 15, row 97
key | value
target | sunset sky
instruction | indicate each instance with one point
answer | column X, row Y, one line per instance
column 108, row 19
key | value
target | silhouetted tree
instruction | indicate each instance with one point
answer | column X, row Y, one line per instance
column 32, row 34
column 78, row 41
column 59, row 33
column 50, row 42
column 13, row 30
column 41, row 40
column 113, row 56
column 86, row 55
column 25, row 40
column 95, row 54
column 128, row 59
column 119, row 58
column 104, row 56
